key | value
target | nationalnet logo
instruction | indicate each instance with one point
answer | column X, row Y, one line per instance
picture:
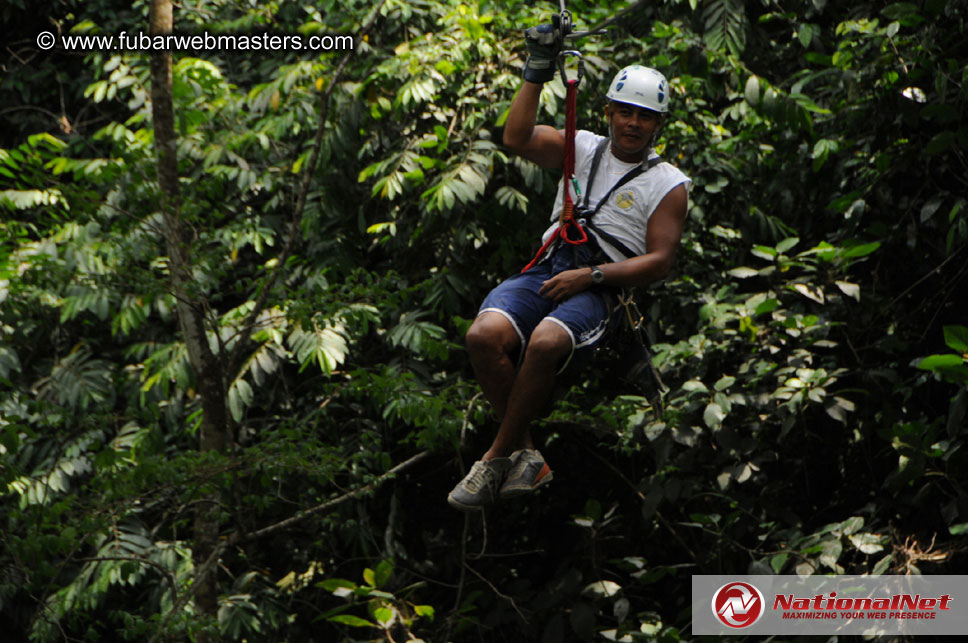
column 887, row 605
column 738, row 604
column 896, row 606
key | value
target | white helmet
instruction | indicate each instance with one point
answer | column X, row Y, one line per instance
column 642, row 86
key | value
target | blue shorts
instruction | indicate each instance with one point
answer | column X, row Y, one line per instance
column 584, row 316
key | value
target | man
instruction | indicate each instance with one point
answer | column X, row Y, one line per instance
column 536, row 323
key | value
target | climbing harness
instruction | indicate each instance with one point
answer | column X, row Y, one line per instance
column 586, row 214
column 634, row 324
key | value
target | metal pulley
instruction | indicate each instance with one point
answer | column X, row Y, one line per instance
column 566, row 31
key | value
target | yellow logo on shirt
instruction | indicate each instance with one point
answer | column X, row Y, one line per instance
column 625, row 200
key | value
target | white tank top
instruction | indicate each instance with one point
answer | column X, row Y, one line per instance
column 626, row 214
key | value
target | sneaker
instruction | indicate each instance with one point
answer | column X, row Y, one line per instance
column 480, row 486
column 528, row 472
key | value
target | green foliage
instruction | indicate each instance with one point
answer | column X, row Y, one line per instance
column 952, row 367
column 725, row 25
column 385, row 610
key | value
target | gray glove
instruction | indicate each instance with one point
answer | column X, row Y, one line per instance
column 544, row 43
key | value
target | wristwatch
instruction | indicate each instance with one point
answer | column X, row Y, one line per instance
column 598, row 277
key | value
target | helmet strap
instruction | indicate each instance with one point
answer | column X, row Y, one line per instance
column 656, row 133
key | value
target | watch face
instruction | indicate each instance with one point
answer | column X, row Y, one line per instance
column 597, row 276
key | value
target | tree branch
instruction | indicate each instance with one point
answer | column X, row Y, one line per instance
column 329, row 504
column 618, row 16
column 498, row 593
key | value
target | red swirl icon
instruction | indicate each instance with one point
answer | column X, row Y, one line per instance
column 738, row 604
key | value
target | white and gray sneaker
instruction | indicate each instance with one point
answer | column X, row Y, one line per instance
column 480, row 486
column 528, row 472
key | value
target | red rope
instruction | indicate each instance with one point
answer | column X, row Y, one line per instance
column 566, row 220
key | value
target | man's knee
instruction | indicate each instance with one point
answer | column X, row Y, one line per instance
column 491, row 333
column 549, row 342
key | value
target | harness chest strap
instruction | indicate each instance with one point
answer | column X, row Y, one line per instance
column 567, row 216
column 587, row 214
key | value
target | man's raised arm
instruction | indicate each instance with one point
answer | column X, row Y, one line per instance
column 539, row 143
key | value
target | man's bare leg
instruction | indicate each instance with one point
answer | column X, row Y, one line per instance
column 493, row 345
column 531, row 389
column 518, row 397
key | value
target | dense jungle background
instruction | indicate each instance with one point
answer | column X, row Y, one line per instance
column 234, row 286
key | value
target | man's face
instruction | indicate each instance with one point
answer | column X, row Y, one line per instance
column 632, row 129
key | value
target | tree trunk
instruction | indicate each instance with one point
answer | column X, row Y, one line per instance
column 205, row 364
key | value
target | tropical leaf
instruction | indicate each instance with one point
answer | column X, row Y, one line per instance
column 78, row 381
column 725, row 25
column 325, row 344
